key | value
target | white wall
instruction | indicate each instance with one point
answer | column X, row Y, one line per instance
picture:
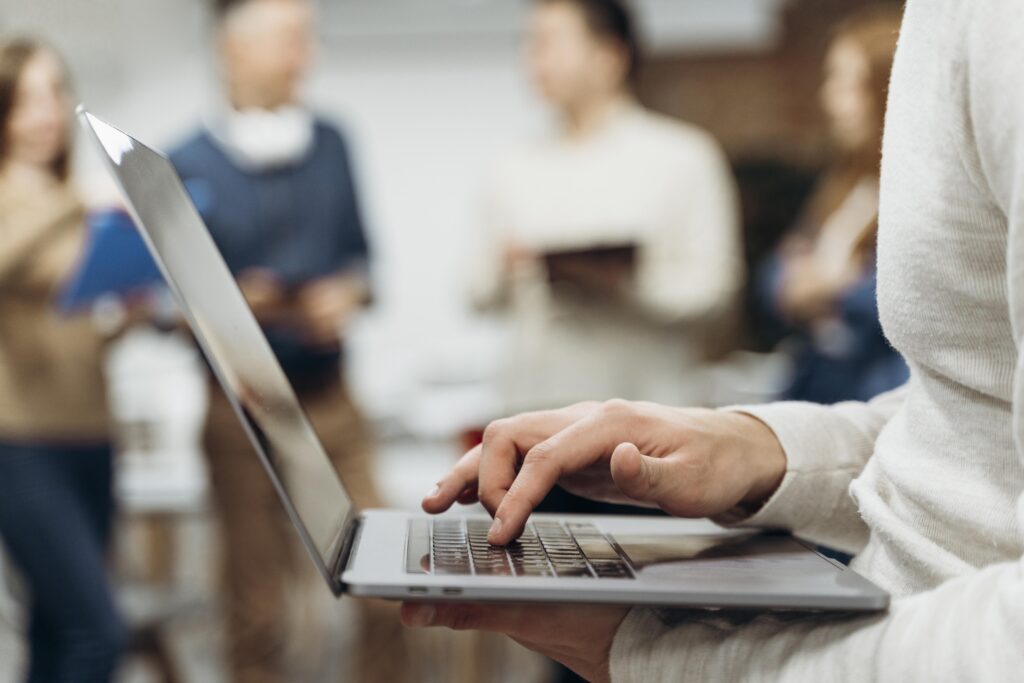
column 427, row 122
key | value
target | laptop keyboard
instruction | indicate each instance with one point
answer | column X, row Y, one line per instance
column 548, row 548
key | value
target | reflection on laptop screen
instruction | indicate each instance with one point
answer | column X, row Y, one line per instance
column 232, row 340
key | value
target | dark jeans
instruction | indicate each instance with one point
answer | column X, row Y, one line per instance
column 55, row 516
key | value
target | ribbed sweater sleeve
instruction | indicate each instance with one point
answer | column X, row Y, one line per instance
column 966, row 628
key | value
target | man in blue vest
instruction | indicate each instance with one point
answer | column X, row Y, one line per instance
column 274, row 184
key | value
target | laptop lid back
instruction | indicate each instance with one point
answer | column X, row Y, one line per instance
column 234, row 344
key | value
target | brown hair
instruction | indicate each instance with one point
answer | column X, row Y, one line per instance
column 15, row 54
column 222, row 8
column 874, row 30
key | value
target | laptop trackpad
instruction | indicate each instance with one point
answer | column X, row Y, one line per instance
column 716, row 558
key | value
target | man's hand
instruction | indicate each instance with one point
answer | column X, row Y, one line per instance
column 517, row 256
column 266, row 295
column 690, row 463
column 325, row 306
column 578, row 636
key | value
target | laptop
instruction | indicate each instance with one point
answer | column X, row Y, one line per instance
column 404, row 555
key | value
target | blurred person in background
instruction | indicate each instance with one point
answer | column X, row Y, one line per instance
column 818, row 290
column 612, row 242
column 274, row 184
column 56, row 503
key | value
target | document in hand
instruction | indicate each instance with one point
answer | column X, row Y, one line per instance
column 115, row 261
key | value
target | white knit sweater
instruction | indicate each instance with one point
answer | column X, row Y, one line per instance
column 641, row 179
column 926, row 483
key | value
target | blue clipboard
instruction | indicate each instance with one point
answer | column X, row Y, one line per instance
column 115, row 262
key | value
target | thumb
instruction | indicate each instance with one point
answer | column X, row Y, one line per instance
column 640, row 477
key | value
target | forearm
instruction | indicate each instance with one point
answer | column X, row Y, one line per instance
column 654, row 645
column 966, row 629
column 24, row 240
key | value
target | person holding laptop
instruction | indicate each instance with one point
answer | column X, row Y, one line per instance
column 397, row 553
column 274, row 183
column 924, row 484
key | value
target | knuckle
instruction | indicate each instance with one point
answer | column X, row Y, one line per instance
column 543, row 454
column 495, row 430
column 581, row 407
column 617, row 408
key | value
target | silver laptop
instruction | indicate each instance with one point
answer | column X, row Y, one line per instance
column 405, row 555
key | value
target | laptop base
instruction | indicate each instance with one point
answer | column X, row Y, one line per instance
column 672, row 563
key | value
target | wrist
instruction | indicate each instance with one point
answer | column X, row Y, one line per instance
column 763, row 459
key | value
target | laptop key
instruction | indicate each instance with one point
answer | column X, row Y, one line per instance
column 597, row 548
column 545, row 549
column 418, row 547
column 574, row 572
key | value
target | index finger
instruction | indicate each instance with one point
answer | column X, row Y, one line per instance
column 572, row 449
column 506, row 441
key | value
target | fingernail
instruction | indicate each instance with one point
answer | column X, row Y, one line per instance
column 495, row 528
column 435, row 492
column 422, row 616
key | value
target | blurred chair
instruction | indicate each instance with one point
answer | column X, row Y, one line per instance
column 158, row 399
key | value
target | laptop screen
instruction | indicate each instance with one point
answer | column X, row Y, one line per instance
column 233, row 342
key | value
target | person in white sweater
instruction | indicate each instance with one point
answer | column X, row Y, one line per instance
column 925, row 484
column 613, row 178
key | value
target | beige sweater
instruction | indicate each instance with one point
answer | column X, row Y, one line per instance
column 51, row 384
column 640, row 179
column 925, row 484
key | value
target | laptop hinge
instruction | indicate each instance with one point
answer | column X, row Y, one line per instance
column 349, row 541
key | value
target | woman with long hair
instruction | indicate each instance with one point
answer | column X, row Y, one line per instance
column 55, row 455
column 819, row 289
